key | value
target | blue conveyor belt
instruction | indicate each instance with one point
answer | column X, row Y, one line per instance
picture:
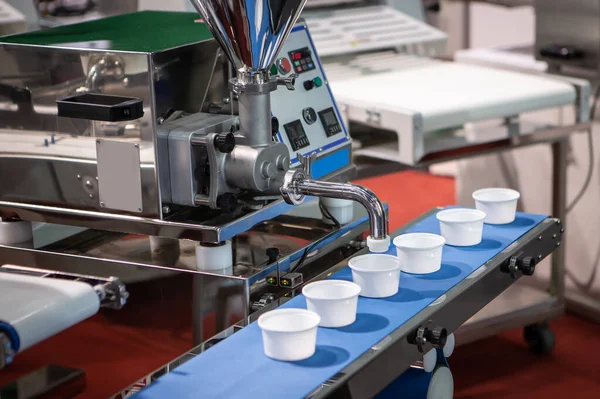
column 238, row 368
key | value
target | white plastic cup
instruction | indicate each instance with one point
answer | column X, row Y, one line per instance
column 289, row 334
column 335, row 301
column 420, row 253
column 461, row 227
column 378, row 275
column 499, row 204
column 342, row 210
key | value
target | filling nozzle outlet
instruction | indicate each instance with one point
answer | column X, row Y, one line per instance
column 298, row 183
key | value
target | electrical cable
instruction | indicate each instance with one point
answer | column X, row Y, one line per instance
column 308, row 250
column 585, row 286
column 590, row 171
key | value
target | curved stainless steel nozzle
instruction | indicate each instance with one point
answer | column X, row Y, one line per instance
column 298, row 183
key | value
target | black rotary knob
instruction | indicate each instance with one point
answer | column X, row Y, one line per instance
column 274, row 126
column 227, row 202
column 308, row 84
column 436, row 336
column 272, row 254
column 225, row 142
column 527, row 265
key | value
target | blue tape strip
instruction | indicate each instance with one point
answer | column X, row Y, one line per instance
column 12, row 335
column 237, row 367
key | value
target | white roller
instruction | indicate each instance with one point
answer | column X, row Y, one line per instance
column 430, row 360
column 15, row 232
column 214, row 258
column 441, row 385
column 342, row 210
column 449, row 347
column 37, row 308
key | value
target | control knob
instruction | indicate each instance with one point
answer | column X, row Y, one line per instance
column 309, row 115
column 435, row 335
column 225, row 142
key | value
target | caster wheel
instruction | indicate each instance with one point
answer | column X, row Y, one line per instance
column 540, row 338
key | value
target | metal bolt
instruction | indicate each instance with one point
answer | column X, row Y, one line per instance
column 539, row 256
column 160, row 120
column 558, row 222
column 136, row 145
column 78, row 177
column 98, row 141
column 166, row 209
column 91, row 196
column 553, row 235
column 89, row 184
column 558, row 244
column 540, row 238
column 96, row 178
column 562, row 230
column 102, row 204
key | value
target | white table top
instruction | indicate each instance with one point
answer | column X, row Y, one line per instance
column 450, row 94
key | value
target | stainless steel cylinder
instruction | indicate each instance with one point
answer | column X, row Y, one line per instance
column 257, row 168
column 255, row 118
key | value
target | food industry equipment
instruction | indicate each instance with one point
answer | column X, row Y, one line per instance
column 138, row 149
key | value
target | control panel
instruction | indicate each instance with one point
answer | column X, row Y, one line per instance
column 308, row 117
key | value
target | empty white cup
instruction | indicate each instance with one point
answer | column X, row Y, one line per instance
column 498, row 204
column 420, row 253
column 335, row 301
column 461, row 227
column 378, row 275
column 289, row 334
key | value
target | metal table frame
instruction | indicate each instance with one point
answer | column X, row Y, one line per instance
column 533, row 305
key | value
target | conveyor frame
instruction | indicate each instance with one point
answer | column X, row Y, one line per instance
column 393, row 355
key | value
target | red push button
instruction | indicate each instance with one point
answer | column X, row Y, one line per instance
column 284, row 65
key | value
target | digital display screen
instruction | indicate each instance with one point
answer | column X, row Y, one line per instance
column 330, row 122
column 302, row 60
column 329, row 118
column 294, row 130
column 296, row 135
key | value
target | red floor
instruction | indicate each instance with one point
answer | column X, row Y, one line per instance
column 500, row 367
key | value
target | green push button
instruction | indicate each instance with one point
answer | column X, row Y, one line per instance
column 318, row 81
column 273, row 70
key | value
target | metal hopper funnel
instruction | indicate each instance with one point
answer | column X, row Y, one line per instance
column 251, row 32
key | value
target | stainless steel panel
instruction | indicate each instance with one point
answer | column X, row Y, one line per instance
column 119, row 175
column 38, row 141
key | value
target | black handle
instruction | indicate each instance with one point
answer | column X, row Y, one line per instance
column 100, row 107
column 561, row 52
column 17, row 95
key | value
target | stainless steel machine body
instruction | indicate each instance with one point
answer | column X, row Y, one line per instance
column 136, row 149
column 62, row 169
